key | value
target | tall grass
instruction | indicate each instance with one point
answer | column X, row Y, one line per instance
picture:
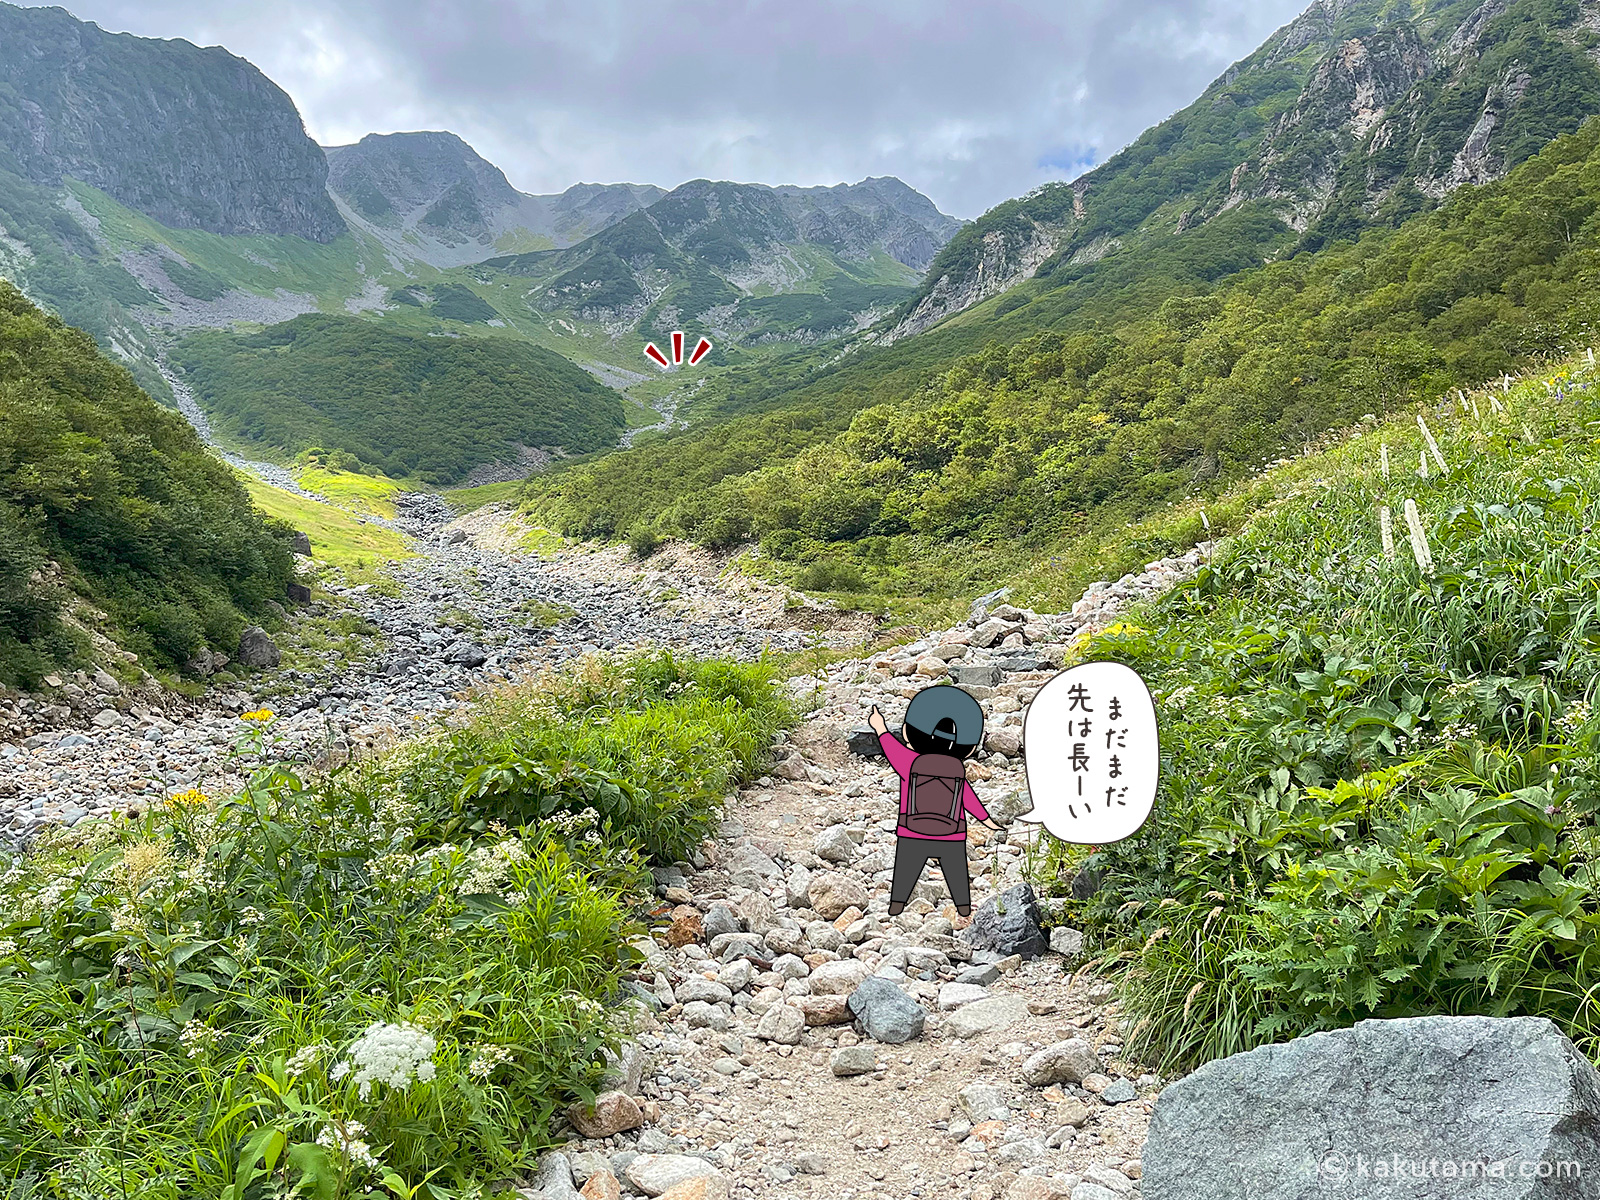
column 183, row 995
column 1381, row 788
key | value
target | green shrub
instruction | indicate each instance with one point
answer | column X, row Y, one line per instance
column 831, row 575
column 183, row 996
column 643, row 540
column 1382, row 795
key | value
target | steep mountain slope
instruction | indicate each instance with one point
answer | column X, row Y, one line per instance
column 107, row 496
column 1357, row 112
column 430, row 197
column 742, row 262
column 194, row 138
column 1038, row 446
column 1316, row 136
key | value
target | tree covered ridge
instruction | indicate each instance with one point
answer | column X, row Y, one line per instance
column 144, row 521
column 1029, row 444
column 431, row 408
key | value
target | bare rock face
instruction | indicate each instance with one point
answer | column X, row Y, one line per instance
column 196, row 138
column 1484, row 1095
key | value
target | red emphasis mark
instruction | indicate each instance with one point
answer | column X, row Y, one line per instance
column 653, row 352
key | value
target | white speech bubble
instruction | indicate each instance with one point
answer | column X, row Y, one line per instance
column 1093, row 754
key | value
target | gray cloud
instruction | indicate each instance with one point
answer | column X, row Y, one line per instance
column 971, row 103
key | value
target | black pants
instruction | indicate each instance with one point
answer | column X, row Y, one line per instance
column 912, row 854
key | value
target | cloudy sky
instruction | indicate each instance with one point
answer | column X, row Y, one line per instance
column 970, row 101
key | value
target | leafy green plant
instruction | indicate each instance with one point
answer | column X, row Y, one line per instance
column 1379, row 796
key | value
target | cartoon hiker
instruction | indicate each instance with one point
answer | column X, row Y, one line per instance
column 944, row 726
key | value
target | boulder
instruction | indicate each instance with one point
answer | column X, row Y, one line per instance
column 838, row 978
column 984, row 1102
column 612, row 1112
column 835, row 844
column 698, row 987
column 853, row 1060
column 752, row 860
column 301, row 543
column 256, row 648
column 602, row 1185
column 886, row 1013
column 1007, row 808
column 976, row 674
column 466, row 654
column 1003, row 741
column 1071, row 1061
column 554, row 1179
column 1008, row 923
column 861, row 740
column 202, row 663
column 957, row 995
column 782, row 1024
column 1500, row 1101
column 985, row 1016
column 720, row 918
column 654, row 1174
column 824, row 1010
column 833, row 892
column 298, row 593
column 793, row 768
column 1066, row 941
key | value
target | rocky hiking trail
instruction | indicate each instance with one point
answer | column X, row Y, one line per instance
column 792, row 1038
column 797, row 1041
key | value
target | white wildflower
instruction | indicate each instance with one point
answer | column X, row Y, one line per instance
column 1422, row 464
column 392, row 1054
column 487, row 1058
column 1577, row 713
column 339, row 1070
column 1419, row 538
column 251, row 915
column 1386, row 529
column 304, row 1059
column 1433, row 446
column 1383, row 457
column 345, row 1137
column 8, row 948
column 198, row 1038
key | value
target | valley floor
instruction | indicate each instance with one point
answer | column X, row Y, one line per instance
column 950, row 1112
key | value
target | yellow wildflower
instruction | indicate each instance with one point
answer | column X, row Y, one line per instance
column 260, row 714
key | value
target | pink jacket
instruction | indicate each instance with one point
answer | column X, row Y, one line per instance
column 900, row 757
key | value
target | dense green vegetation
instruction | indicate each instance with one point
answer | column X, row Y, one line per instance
column 182, row 996
column 413, row 405
column 1024, row 448
column 1381, row 798
column 144, row 521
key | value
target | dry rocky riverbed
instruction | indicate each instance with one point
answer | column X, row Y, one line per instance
column 969, row 1071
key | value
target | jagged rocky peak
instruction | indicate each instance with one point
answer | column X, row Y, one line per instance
column 109, row 109
column 388, row 176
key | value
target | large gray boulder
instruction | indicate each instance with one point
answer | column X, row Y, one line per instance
column 1008, row 923
column 1423, row 1108
column 885, row 1012
column 256, row 648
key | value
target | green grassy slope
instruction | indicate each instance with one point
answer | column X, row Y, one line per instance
column 1381, row 792
column 144, row 521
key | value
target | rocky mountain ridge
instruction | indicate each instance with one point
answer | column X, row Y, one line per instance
column 1357, row 112
column 195, row 138
column 429, row 196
